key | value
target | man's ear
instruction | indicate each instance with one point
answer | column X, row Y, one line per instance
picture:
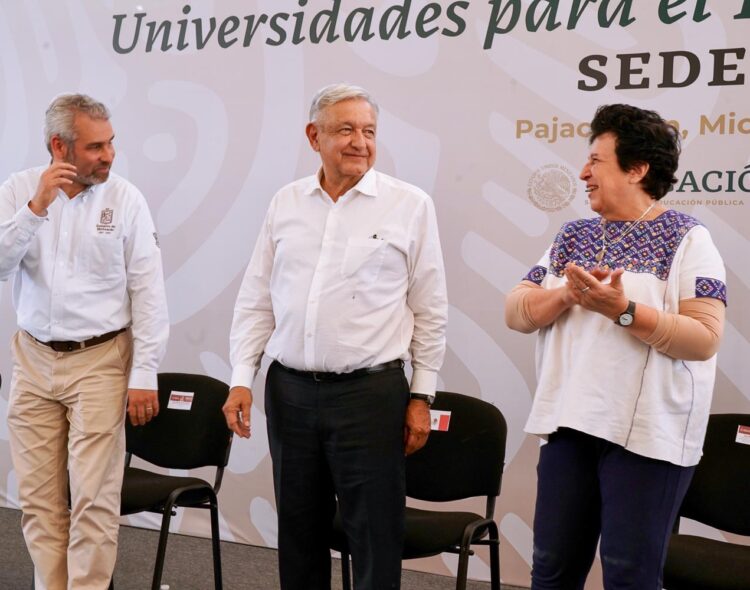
column 59, row 148
column 312, row 136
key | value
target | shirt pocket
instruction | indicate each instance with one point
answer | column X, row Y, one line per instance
column 363, row 259
column 104, row 258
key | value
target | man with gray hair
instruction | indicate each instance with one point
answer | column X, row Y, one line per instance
column 345, row 284
column 89, row 295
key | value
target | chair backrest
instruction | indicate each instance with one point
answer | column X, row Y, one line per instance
column 465, row 461
column 719, row 494
column 191, row 433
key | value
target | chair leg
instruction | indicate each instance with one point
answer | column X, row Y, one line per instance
column 346, row 574
column 465, row 552
column 494, row 548
column 162, row 548
column 215, row 541
column 463, row 568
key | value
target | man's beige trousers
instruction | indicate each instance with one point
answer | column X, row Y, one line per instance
column 65, row 418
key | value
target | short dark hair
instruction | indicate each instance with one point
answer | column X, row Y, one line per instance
column 641, row 137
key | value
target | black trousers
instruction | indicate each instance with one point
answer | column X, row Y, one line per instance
column 340, row 439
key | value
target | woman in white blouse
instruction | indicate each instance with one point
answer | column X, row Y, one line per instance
column 629, row 306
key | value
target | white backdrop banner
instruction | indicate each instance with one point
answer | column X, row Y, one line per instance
column 485, row 105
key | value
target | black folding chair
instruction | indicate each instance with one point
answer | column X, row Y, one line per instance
column 465, row 461
column 189, row 432
column 718, row 496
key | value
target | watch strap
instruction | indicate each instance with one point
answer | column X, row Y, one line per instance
column 425, row 397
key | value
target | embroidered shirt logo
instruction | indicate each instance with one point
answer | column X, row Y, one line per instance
column 105, row 225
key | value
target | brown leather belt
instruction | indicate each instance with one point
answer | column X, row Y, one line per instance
column 71, row 345
column 323, row 376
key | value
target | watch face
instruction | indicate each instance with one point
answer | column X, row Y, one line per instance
column 626, row 319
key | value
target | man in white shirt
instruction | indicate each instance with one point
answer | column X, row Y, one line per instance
column 89, row 295
column 345, row 284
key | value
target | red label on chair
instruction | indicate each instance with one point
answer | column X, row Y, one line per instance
column 440, row 420
column 180, row 400
column 743, row 435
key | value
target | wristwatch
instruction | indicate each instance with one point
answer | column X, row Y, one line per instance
column 628, row 316
column 425, row 397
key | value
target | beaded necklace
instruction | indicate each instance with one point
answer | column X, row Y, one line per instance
column 600, row 255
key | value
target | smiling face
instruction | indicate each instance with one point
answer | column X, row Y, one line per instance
column 344, row 135
column 92, row 152
column 609, row 187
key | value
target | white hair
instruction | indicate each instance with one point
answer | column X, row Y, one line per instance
column 330, row 95
column 60, row 116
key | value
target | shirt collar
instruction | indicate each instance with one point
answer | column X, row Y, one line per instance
column 367, row 185
column 89, row 190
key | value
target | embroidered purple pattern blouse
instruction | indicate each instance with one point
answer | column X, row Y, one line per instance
column 705, row 287
column 650, row 247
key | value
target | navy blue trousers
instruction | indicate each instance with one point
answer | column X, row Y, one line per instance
column 345, row 440
column 588, row 488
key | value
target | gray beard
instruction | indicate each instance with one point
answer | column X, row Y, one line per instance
column 91, row 180
column 85, row 180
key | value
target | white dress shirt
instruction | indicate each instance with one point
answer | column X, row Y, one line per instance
column 91, row 266
column 338, row 286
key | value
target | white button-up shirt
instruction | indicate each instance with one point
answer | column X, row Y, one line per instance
column 339, row 286
column 91, row 266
